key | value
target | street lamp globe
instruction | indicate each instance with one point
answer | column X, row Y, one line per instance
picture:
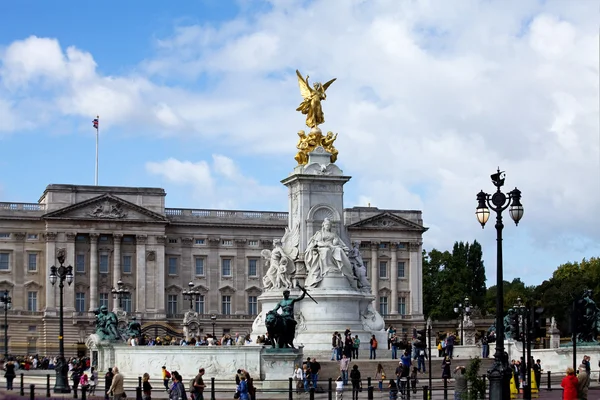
column 69, row 276
column 482, row 212
column 516, row 208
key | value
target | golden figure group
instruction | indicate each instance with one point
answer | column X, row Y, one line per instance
column 307, row 143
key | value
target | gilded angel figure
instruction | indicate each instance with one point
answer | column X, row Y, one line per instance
column 311, row 106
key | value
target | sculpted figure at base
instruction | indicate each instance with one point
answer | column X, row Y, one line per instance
column 134, row 329
column 282, row 327
column 315, row 138
column 589, row 325
column 326, row 252
column 106, row 324
column 358, row 267
column 280, row 261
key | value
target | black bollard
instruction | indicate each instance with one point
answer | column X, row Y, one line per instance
column 139, row 381
column 370, row 392
column 138, row 393
column 22, row 389
column 408, row 388
column 330, row 391
column 484, row 377
column 212, row 389
column 445, row 388
column 425, row 392
column 549, row 380
column 311, row 393
column 369, row 381
column 47, row 385
column 32, row 392
column 290, row 389
column 83, row 392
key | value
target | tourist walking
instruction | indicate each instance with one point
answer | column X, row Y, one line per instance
column 446, row 362
column 146, row 387
column 393, row 390
column 569, row 385
column 485, row 347
column 9, row 374
column 355, row 346
column 108, row 379
column 460, row 382
column 583, row 382
column 177, row 391
column 373, row 347
column 344, row 365
column 380, row 376
column 242, row 388
column 421, row 357
column 199, row 385
column 116, row 389
column 298, row 376
column 355, row 380
column 339, row 388
column 166, row 376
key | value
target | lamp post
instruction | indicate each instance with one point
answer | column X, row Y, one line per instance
column 191, row 294
column 213, row 318
column 7, row 301
column 499, row 374
column 61, row 274
column 429, row 326
column 523, row 312
column 120, row 293
column 463, row 310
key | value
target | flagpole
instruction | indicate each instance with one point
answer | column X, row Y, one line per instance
column 97, row 131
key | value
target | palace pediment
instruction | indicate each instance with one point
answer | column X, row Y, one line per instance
column 107, row 208
column 388, row 221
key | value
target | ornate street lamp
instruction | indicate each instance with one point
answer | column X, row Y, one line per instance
column 463, row 310
column 191, row 294
column 7, row 301
column 61, row 274
column 120, row 293
column 213, row 318
column 499, row 374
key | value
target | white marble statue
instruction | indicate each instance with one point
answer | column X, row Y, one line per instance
column 359, row 269
column 326, row 252
column 280, row 261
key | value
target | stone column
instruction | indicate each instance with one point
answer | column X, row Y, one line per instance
column 117, row 237
column 19, row 292
column 69, row 290
column 375, row 273
column 140, row 273
column 394, row 278
column 160, row 275
column 93, row 271
column 416, row 279
column 50, row 261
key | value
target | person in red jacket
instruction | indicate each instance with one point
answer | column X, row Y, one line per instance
column 569, row 384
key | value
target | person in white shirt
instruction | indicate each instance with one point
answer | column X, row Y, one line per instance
column 339, row 388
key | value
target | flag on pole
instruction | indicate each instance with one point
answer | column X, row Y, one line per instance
column 95, row 121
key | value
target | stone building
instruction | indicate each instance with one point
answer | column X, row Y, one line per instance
column 125, row 235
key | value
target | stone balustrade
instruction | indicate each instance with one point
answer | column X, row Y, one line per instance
column 22, row 207
column 187, row 213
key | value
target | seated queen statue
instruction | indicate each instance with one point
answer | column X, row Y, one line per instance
column 324, row 253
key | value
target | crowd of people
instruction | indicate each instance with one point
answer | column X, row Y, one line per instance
column 208, row 340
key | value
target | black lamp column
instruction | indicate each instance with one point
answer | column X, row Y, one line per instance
column 191, row 294
column 462, row 311
column 6, row 300
column 499, row 374
column 61, row 274
column 213, row 318
column 120, row 293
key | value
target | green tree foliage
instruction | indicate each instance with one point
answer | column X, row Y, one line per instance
column 449, row 277
column 512, row 291
column 476, row 382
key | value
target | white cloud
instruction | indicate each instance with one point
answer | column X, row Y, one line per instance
column 428, row 102
column 218, row 185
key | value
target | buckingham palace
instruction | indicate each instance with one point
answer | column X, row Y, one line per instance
column 125, row 239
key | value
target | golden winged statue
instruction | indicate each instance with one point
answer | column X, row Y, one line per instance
column 311, row 106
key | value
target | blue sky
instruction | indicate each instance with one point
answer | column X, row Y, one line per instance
column 199, row 97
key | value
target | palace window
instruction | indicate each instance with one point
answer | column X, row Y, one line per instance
column 32, row 262
column 200, row 266
column 172, row 265
column 80, row 263
column 32, row 236
column 199, row 241
column 199, row 306
column 383, row 269
column 401, row 245
column 103, row 299
column 80, row 238
column 4, row 235
column 80, row 302
column 103, row 264
column 172, row 241
column 127, row 304
column 127, row 239
column 368, row 271
column 400, row 269
column 383, row 245
column 383, row 305
column 252, row 263
column 127, row 264
column 4, row 261
column 226, row 305
column 227, row 242
column 31, row 301
column 172, row 304
column 226, row 266
column 252, row 305
column 402, row 305
column 253, row 243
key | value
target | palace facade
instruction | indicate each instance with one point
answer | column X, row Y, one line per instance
column 126, row 236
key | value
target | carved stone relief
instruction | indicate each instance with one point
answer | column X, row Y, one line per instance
column 150, row 255
column 50, row 236
column 71, row 236
column 141, row 239
column 19, row 235
column 61, row 252
column 108, row 209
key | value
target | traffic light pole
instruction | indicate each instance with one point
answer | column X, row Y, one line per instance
column 574, row 333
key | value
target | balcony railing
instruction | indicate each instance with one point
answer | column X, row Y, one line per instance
column 22, row 206
column 230, row 214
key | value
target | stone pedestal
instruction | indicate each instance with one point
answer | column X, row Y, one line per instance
column 276, row 365
column 469, row 331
